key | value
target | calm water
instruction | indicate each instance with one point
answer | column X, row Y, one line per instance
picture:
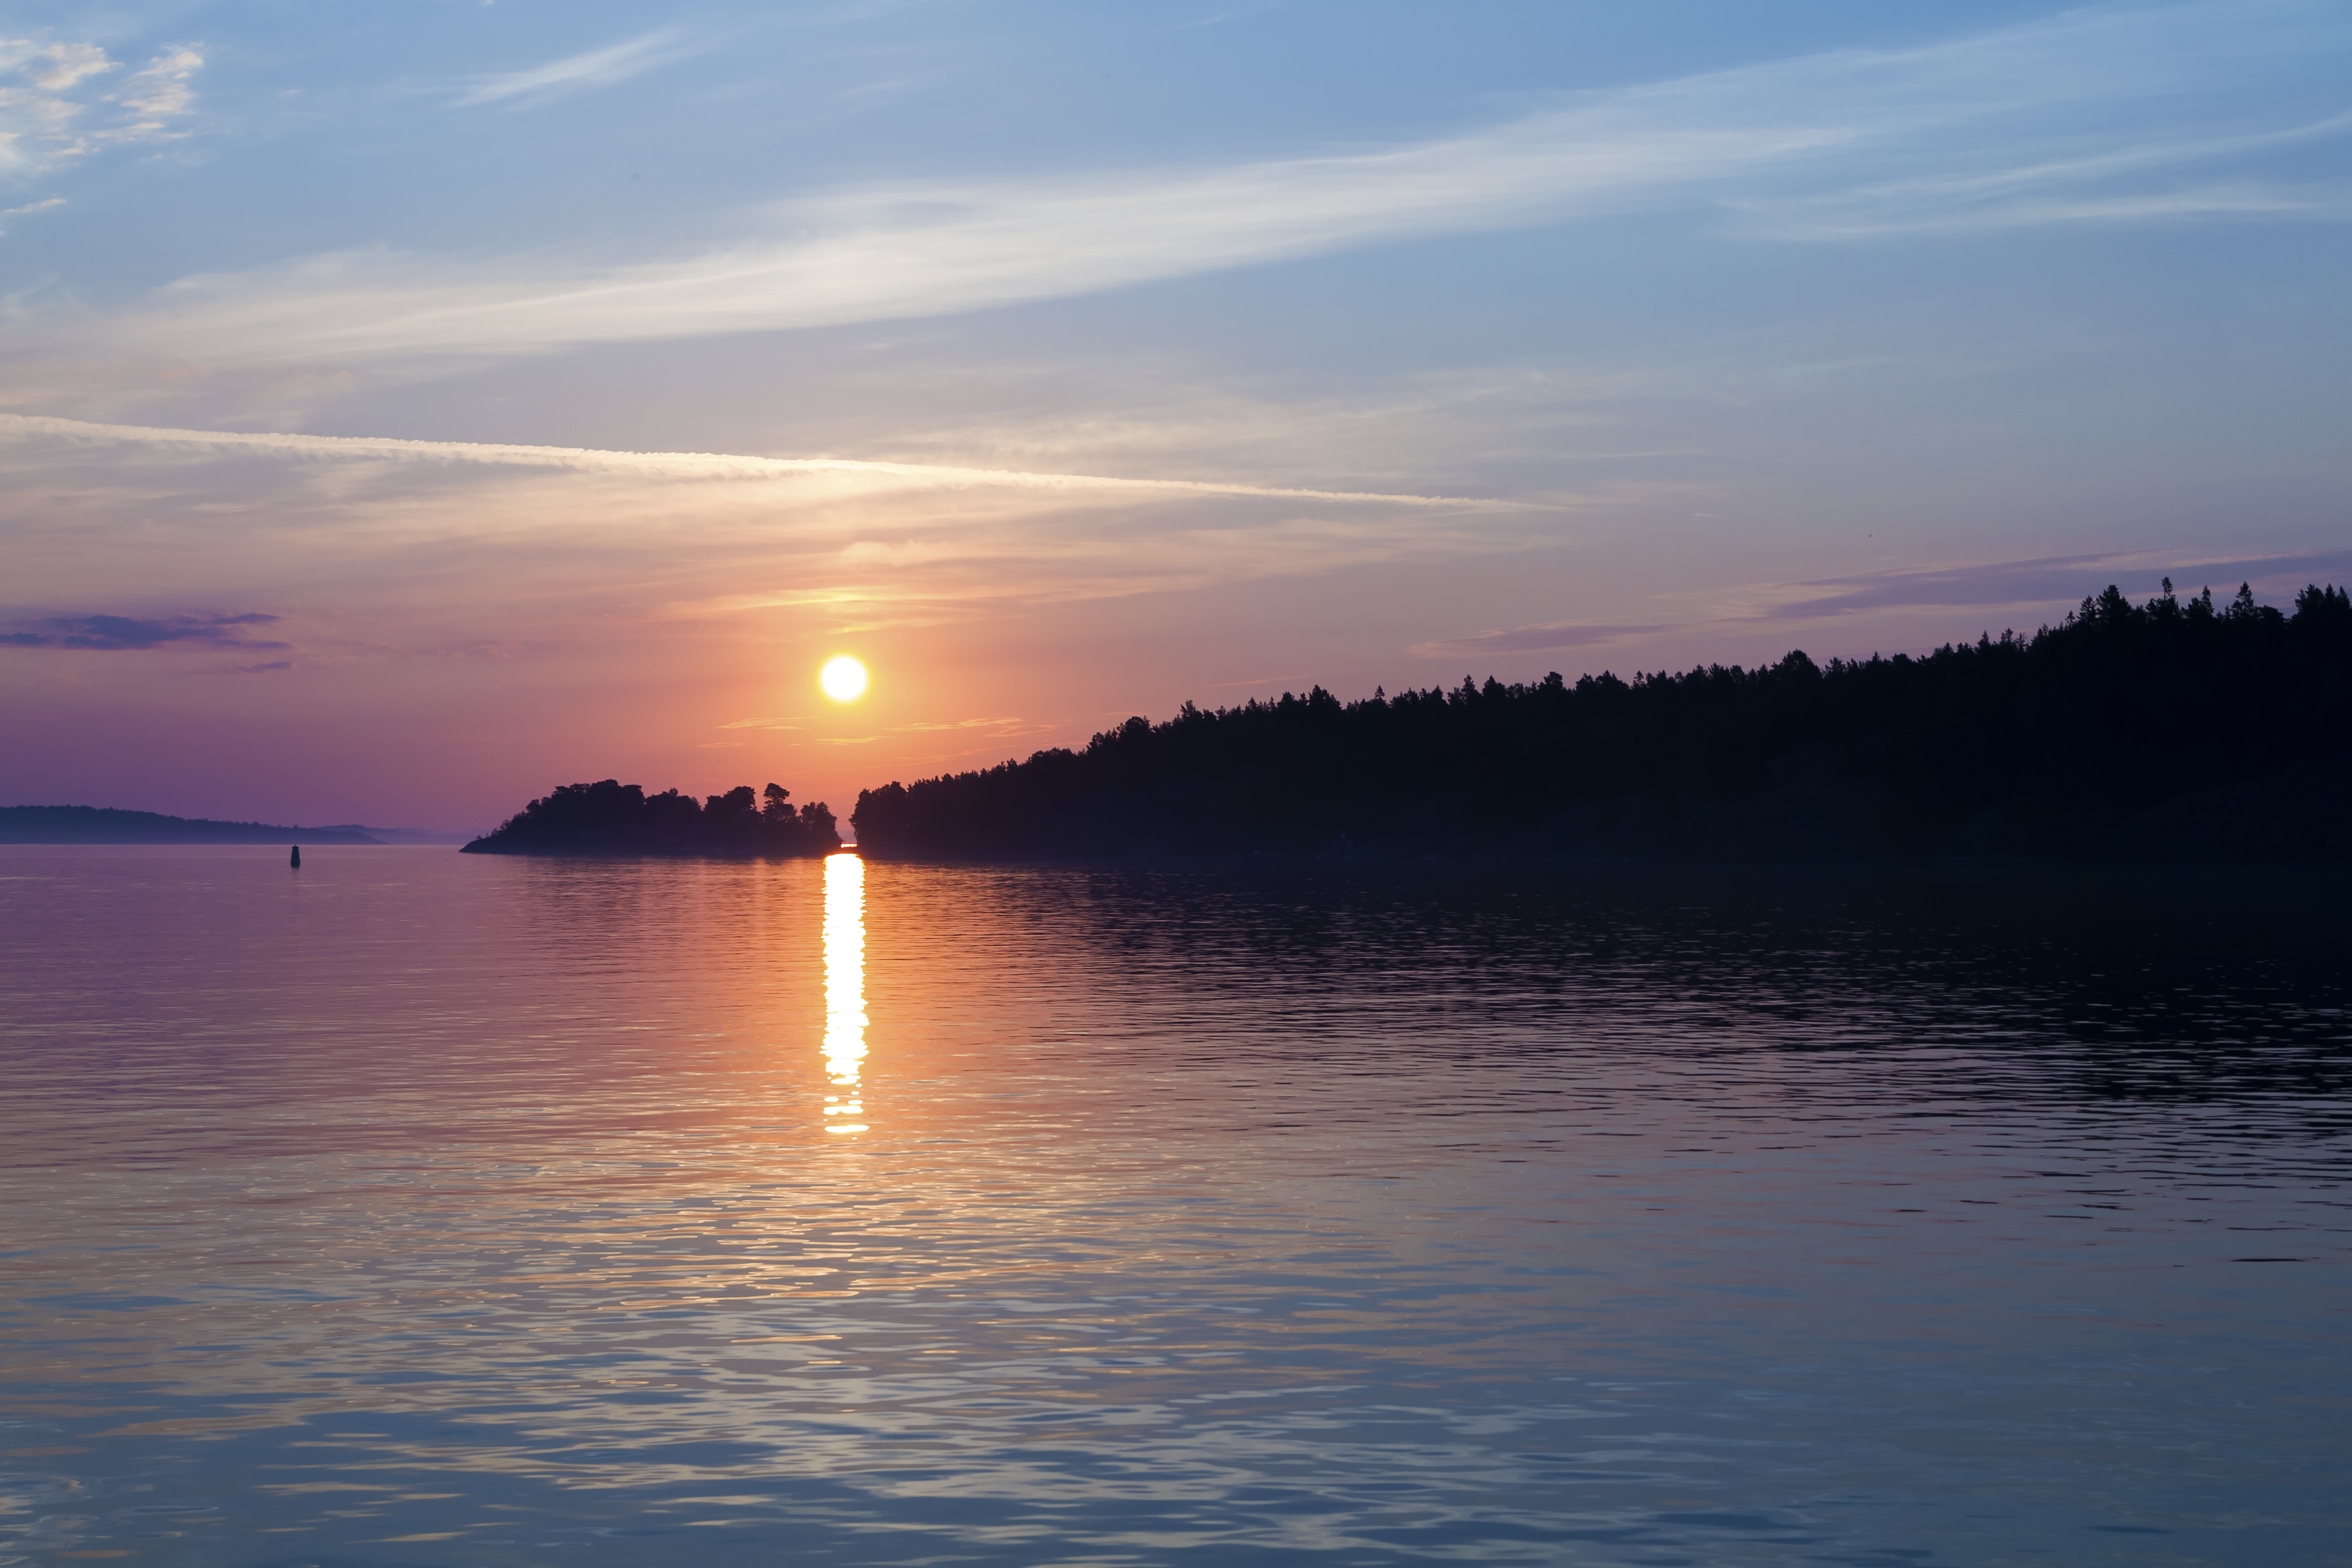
column 419, row 1209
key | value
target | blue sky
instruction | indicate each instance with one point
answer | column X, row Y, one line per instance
column 1595, row 335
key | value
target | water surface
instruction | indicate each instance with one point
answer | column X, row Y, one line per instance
column 418, row 1208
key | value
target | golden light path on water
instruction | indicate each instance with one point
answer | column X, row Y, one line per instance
column 845, row 990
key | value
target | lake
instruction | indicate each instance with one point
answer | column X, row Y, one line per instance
column 436, row 1209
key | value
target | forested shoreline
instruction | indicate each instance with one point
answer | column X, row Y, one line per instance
column 2176, row 729
column 609, row 817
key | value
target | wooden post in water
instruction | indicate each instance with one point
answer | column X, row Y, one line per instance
column 297, row 859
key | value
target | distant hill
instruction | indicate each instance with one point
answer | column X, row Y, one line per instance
column 2174, row 730
column 103, row 824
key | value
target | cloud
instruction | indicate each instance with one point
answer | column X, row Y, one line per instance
column 1002, row 728
column 2069, row 190
column 115, row 634
column 679, row 540
column 675, row 465
column 37, row 103
column 2051, row 580
column 1255, row 680
column 1531, row 639
column 274, row 664
column 2051, row 122
column 921, row 250
column 2042, row 588
column 51, row 110
column 54, row 68
column 154, row 94
column 29, row 208
column 582, row 72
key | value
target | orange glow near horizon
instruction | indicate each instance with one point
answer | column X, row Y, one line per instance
column 844, row 678
column 845, row 990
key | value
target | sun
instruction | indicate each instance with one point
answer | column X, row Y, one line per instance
column 844, row 678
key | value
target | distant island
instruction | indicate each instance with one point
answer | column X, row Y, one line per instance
column 103, row 824
column 2173, row 730
column 614, row 818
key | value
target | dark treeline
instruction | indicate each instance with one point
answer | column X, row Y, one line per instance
column 2177, row 729
column 615, row 819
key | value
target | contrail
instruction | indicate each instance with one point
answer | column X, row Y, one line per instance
column 683, row 465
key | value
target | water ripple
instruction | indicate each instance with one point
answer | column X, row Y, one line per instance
column 419, row 1209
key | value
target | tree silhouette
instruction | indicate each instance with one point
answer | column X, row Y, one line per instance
column 612, row 818
column 2164, row 729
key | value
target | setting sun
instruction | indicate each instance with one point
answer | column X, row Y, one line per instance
column 844, row 678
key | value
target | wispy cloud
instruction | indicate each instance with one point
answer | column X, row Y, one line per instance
column 2016, row 187
column 680, row 465
column 41, row 102
column 923, row 250
column 1532, row 639
column 828, row 543
column 53, row 108
column 2036, row 591
column 1001, row 727
column 582, row 72
column 118, row 634
column 152, row 95
column 990, row 730
column 2054, row 122
column 29, row 208
column 54, row 66
column 2042, row 582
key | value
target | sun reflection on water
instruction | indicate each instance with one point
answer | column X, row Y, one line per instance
column 845, row 990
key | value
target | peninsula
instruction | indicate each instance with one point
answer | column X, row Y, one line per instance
column 2176, row 729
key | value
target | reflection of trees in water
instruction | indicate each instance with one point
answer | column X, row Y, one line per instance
column 665, row 915
column 680, row 944
column 2138, row 986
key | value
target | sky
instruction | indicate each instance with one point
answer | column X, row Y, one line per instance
column 407, row 407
